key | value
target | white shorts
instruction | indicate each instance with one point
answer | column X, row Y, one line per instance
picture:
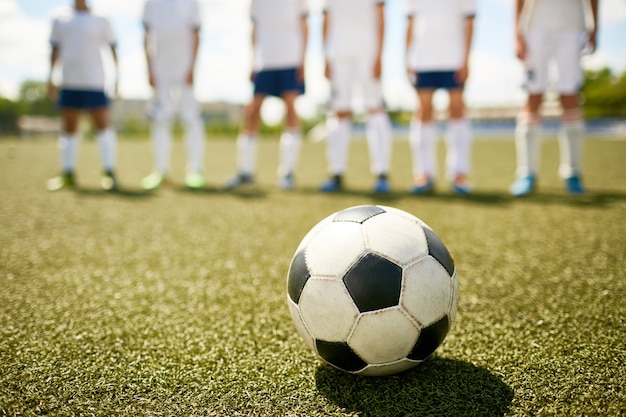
column 170, row 98
column 348, row 73
column 564, row 50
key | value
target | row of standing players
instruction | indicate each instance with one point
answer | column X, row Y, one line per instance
column 438, row 42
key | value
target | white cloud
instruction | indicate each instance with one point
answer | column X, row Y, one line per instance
column 612, row 12
column 224, row 59
column 494, row 80
column 23, row 57
column 599, row 60
column 133, row 76
column 118, row 7
column 7, row 8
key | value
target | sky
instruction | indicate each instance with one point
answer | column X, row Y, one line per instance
column 222, row 72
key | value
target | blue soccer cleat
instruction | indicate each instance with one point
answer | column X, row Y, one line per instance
column 331, row 185
column 241, row 179
column 287, row 182
column 523, row 186
column 461, row 189
column 461, row 186
column 382, row 184
column 423, row 186
column 574, row 185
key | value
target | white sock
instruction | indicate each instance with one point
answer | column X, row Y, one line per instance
column 194, row 139
column 459, row 145
column 423, row 141
column 68, row 145
column 339, row 133
column 290, row 144
column 571, row 140
column 246, row 153
column 162, row 142
column 107, row 139
column 378, row 132
column 528, row 146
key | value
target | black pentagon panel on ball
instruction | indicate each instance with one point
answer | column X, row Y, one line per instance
column 358, row 214
column 297, row 277
column 340, row 355
column 438, row 250
column 374, row 283
column 430, row 338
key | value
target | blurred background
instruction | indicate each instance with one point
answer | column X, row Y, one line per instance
column 493, row 92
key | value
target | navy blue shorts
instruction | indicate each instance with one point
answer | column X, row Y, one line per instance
column 82, row 99
column 277, row 82
column 437, row 79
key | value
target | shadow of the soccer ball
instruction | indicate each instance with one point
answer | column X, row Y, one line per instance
column 437, row 387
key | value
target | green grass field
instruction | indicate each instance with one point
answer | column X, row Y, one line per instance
column 174, row 303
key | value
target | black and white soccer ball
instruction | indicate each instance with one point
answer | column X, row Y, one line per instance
column 372, row 290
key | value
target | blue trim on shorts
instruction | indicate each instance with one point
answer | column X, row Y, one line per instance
column 276, row 82
column 437, row 79
column 82, row 99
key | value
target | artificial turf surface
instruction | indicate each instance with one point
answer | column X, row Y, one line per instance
column 174, row 302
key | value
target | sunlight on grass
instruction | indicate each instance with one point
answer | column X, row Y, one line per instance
column 174, row 303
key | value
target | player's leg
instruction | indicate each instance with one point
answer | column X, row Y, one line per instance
column 379, row 138
column 290, row 141
column 528, row 124
column 107, row 141
column 572, row 134
column 571, row 140
column 68, row 142
column 423, row 142
column 161, row 114
column 194, row 137
column 527, row 146
column 339, row 125
column 459, row 143
column 339, row 128
column 378, row 130
column 247, row 143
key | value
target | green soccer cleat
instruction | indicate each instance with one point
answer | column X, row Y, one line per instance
column 65, row 180
column 153, row 181
column 108, row 181
column 195, row 180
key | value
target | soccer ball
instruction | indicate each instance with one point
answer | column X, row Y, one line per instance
column 372, row 290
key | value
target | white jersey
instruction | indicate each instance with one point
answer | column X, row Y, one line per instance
column 79, row 37
column 438, row 38
column 353, row 30
column 554, row 15
column 171, row 24
column 279, row 42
